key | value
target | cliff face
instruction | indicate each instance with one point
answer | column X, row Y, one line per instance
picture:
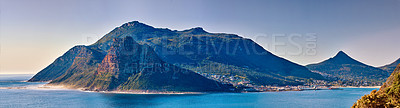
column 388, row 95
column 217, row 53
column 81, row 71
column 131, row 66
column 63, row 63
column 195, row 50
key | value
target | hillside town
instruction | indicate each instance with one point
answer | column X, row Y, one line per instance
column 243, row 85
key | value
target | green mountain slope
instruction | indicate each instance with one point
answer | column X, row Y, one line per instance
column 196, row 49
column 390, row 67
column 203, row 52
column 61, row 64
column 388, row 95
column 130, row 66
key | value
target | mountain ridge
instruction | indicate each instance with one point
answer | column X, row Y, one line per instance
column 346, row 68
column 203, row 52
column 130, row 66
column 214, row 46
column 390, row 67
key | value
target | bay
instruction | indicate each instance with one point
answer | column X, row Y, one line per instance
column 73, row 98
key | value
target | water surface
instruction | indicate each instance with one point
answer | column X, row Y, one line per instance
column 73, row 98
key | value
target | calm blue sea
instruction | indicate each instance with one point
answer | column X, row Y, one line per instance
column 71, row 98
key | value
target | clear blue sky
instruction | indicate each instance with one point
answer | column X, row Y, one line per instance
column 33, row 33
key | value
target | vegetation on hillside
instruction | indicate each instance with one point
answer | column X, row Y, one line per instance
column 130, row 66
column 388, row 95
column 346, row 69
column 195, row 49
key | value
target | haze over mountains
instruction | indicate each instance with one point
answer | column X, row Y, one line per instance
column 195, row 50
column 191, row 52
column 345, row 68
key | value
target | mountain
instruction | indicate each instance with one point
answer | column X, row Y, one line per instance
column 390, row 67
column 130, row 66
column 61, row 64
column 388, row 95
column 202, row 52
column 346, row 68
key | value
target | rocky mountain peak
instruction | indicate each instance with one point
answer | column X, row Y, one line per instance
column 122, row 59
column 344, row 67
column 342, row 58
column 196, row 30
column 136, row 24
column 341, row 54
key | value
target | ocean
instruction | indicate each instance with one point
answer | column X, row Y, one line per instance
column 58, row 98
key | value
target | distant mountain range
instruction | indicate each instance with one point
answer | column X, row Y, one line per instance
column 346, row 68
column 390, row 67
column 388, row 95
column 193, row 50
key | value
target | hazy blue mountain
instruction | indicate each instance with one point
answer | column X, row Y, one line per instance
column 344, row 67
column 200, row 51
column 390, row 67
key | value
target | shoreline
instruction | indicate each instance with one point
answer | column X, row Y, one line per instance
column 63, row 87
column 359, row 87
column 138, row 92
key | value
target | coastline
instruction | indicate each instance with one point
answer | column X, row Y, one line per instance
column 143, row 92
column 62, row 87
column 48, row 86
column 359, row 87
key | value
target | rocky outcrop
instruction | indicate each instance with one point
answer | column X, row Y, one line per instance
column 388, row 95
column 200, row 51
column 63, row 63
column 196, row 49
column 130, row 66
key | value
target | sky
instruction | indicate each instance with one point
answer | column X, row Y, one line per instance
column 33, row 33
